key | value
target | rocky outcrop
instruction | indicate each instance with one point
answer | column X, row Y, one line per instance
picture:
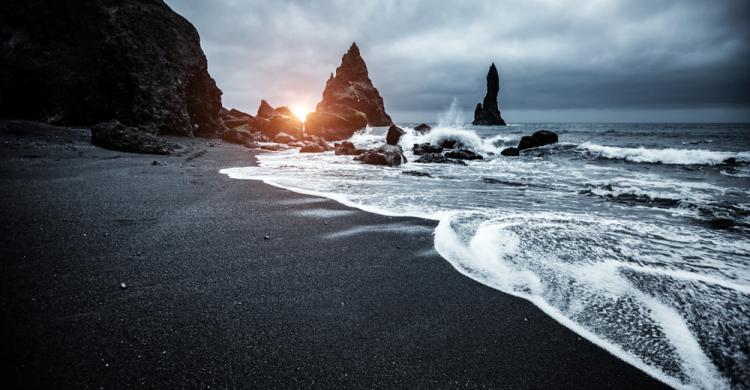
column 390, row 155
column 284, row 138
column 116, row 136
column 539, row 138
column 346, row 148
column 314, row 144
column 438, row 158
column 272, row 121
column 510, row 152
column 426, row 148
column 347, row 95
column 487, row 113
column 422, row 129
column 335, row 126
column 394, row 135
column 83, row 62
column 463, row 154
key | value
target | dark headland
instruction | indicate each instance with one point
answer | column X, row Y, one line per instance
column 127, row 270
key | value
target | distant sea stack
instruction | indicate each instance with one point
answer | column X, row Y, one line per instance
column 81, row 62
column 487, row 113
column 350, row 101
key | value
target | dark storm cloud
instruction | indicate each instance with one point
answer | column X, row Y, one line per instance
column 553, row 55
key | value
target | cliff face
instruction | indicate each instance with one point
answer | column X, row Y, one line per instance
column 82, row 62
column 487, row 113
column 351, row 88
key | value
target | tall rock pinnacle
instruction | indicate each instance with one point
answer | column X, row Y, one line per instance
column 487, row 113
column 352, row 89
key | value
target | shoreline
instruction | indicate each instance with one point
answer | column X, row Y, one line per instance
column 209, row 301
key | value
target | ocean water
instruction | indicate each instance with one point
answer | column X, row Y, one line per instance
column 635, row 236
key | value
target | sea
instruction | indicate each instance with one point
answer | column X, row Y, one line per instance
column 636, row 236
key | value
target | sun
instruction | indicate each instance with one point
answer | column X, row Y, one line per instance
column 300, row 111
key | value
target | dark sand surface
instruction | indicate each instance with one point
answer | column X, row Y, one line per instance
column 335, row 298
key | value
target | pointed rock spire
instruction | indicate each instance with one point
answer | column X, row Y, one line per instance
column 487, row 113
column 265, row 110
column 350, row 101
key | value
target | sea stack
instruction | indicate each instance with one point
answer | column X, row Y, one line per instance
column 487, row 113
column 350, row 101
column 82, row 62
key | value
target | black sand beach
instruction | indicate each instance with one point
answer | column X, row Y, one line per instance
column 334, row 298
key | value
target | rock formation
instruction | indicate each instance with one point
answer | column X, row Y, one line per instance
column 82, row 62
column 394, row 135
column 272, row 121
column 116, row 136
column 422, row 129
column 350, row 101
column 539, row 138
column 487, row 113
column 390, row 155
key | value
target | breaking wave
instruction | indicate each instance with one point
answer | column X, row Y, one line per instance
column 665, row 156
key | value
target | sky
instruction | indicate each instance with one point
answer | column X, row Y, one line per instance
column 559, row 61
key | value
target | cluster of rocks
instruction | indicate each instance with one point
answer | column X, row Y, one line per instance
column 539, row 138
column 447, row 152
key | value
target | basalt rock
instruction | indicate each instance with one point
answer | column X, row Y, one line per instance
column 487, row 113
column 539, row 138
column 390, row 155
column 426, row 148
column 346, row 148
column 83, row 62
column 350, row 90
column 272, row 121
column 239, row 135
column 510, row 152
column 394, row 135
column 463, row 154
column 438, row 158
column 335, row 126
column 312, row 147
column 284, row 138
column 116, row 136
column 422, row 129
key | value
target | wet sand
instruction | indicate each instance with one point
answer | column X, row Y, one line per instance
column 335, row 297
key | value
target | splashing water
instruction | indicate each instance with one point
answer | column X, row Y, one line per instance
column 619, row 243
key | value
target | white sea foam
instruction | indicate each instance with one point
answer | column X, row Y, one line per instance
column 664, row 156
column 663, row 294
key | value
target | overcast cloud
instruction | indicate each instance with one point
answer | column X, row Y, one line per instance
column 618, row 60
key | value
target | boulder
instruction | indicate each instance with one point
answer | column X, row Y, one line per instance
column 335, row 126
column 450, row 144
column 510, row 152
column 232, row 122
column 539, row 138
column 238, row 114
column 422, row 129
column 463, row 154
column 312, row 147
column 487, row 113
column 283, row 138
column 264, row 110
column 425, row 148
column 416, row 173
column 239, row 135
column 116, row 136
column 390, row 155
column 394, row 135
column 438, row 158
column 83, row 62
column 274, row 147
column 346, row 148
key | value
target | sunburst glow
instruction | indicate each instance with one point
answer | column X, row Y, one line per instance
column 300, row 111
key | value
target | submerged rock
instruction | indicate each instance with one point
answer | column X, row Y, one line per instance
column 394, row 135
column 351, row 98
column 84, row 62
column 510, row 152
column 539, row 138
column 116, row 136
column 416, row 173
column 438, row 158
column 487, row 113
column 346, row 148
column 450, row 144
column 425, row 148
column 422, row 129
column 463, row 154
